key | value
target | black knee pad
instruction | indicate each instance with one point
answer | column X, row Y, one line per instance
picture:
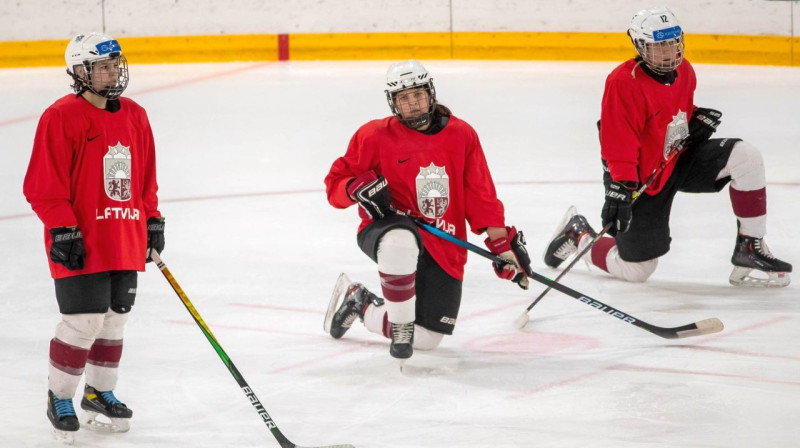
column 121, row 309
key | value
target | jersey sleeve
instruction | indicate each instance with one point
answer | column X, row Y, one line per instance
column 692, row 85
column 47, row 181
column 150, row 187
column 621, row 127
column 481, row 206
column 356, row 160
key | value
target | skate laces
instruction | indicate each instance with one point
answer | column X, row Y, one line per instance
column 63, row 406
column 761, row 247
column 109, row 397
column 566, row 249
column 353, row 303
column 348, row 321
column 402, row 333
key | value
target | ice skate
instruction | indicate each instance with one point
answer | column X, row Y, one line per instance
column 62, row 415
column 752, row 254
column 565, row 239
column 116, row 416
column 348, row 302
column 402, row 346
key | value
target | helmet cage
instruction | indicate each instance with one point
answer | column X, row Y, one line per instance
column 82, row 84
column 424, row 118
column 671, row 44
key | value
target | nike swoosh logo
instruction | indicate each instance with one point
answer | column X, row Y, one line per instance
column 88, row 139
column 403, row 160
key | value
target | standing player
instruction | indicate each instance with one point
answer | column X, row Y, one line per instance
column 421, row 162
column 92, row 182
column 648, row 116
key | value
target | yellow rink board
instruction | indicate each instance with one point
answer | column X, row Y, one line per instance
column 507, row 45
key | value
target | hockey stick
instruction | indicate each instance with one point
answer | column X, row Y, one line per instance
column 523, row 318
column 282, row 440
column 702, row 327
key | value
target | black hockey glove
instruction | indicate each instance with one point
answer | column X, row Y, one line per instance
column 155, row 236
column 617, row 208
column 371, row 191
column 67, row 247
column 513, row 250
column 702, row 125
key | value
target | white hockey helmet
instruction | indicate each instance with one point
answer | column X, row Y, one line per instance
column 406, row 75
column 658, row 39
column 84, row 50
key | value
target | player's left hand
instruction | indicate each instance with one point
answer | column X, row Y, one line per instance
column 155, row 236
column 703, row 124
column 617, row 207
column 512, row 250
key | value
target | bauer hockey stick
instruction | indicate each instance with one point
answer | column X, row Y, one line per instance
column 702, row 327
column 523, row 318
column 282, row 440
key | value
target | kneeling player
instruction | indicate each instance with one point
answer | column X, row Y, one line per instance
column 424, row 162
column 647, row 118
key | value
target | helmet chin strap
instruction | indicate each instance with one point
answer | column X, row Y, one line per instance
column 417, row 122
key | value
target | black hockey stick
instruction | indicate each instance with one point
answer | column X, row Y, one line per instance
column 282, row 440
column 702, row 327
column 523, row 318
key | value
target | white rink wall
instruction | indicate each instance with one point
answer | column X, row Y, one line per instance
column 47, row 19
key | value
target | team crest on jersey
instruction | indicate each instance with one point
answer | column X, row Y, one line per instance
column 117, row 172
column 677, row 130
column 433, row 191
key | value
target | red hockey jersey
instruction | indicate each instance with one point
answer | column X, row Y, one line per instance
column 97, row 170
column 642, row 119
column 442, row 177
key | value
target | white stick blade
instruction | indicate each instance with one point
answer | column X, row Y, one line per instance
column 707, row 326
column 521, row 321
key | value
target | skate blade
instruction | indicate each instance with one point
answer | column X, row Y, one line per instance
column 95, row 422
column 64, row 437
column 339, row 290
column 740, row 276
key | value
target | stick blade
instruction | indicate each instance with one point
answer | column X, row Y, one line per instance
column 703, row 327
column 521, row 321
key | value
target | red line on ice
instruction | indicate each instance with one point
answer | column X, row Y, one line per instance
column 274, row 307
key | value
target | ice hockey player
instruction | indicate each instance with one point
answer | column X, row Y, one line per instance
column 92, row 182
column 426, row 163
column 649, row 121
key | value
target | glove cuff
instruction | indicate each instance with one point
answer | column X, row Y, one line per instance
column 155, row 224
column 354, row 184
column 503, row 244
column 64, row 234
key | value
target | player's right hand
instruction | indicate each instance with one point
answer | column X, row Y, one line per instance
column 371, row 191
column 67, row 247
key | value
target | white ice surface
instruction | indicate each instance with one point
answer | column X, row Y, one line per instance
column 242, row 152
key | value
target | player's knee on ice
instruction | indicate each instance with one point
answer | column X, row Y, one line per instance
column 635, row 272
column 425, row 339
